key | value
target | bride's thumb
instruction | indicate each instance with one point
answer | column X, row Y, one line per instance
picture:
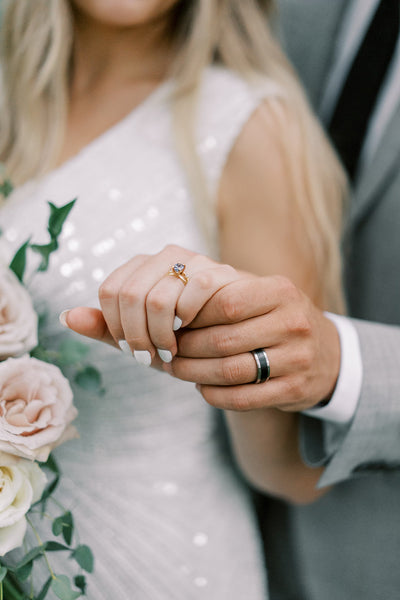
column 88, row 322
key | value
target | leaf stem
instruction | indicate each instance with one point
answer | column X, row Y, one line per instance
column 41, row 544
column 60, row 506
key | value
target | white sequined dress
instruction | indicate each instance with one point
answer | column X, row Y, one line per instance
column 149, row 481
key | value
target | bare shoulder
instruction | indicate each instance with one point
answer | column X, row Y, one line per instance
column 262, row 145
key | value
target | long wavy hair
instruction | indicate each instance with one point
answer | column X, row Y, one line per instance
column 36, row 46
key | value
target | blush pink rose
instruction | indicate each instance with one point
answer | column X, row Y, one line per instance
column 36, row 408
column 18, row 320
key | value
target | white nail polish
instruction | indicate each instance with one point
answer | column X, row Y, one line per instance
column 123, row 344
column 177, row 324
column 62, row 317
column 165, row 355
column 143, row 357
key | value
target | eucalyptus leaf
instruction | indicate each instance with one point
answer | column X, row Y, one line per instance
column 11, row 591
column 18, row 263
column 55, row 547
column 84, row 557
column 41, row 354
column 80, row 582
column 32, row 555
column 72, row 351
column 89, row 378
column 57, row 218
column 6, row 187
column 43, row 592
column 64, row 525
column 23, row 572
column 45, row 250
column 51, row 464
column 61, row 586
column 49, row 489
column 3, row 572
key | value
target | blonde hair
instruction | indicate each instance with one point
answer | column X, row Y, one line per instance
column 36, row 47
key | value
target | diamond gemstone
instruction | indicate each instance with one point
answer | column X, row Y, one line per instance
column 178, row 267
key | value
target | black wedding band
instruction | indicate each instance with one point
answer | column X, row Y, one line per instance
column 262, row 362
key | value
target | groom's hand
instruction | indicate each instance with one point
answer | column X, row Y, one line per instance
column 260, row 312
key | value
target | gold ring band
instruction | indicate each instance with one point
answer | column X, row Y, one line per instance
column 178, row 270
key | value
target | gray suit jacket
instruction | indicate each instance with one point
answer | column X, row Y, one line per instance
column 346, row 546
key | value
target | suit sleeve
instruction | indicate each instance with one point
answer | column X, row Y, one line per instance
column 371, row 442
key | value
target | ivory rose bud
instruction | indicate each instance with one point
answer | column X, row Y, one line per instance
column 21, row 484
column 18, row 320
column 36, row 408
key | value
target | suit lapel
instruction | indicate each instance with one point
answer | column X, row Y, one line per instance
column 385, row 165
column 309, row 34
column 328, row 18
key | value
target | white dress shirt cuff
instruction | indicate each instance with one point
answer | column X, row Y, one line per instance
column 342, row 406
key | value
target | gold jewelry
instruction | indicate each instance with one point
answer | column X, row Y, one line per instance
column 178, row 270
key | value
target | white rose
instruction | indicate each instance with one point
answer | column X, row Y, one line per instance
column 36, row 408
column 21, row 484
column 18, row 320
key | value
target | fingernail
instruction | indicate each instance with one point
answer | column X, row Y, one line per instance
column 177, row 324
column 63, row 317
column 123, row 344
column 165, row 355
column 143, row 357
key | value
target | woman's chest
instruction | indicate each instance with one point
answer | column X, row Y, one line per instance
column 125, row 205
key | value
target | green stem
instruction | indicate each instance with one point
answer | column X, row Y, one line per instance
column 41, row 544
column 60, row 506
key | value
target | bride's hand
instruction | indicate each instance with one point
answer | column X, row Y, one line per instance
column 142, row 304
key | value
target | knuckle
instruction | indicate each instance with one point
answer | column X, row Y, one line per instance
column 230, row 370
column 299, row 324
column 156, row 302
column 221, row 343
column 240, row 402
column 138, row 343
column 170, row 248
column 231, row 308
column 287, row 288
column 293, row 391
column 128, row 295
column 106, row 291
column 203, row 280
column 307, row 358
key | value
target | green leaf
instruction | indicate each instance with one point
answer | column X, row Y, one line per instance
column 23, row 572
column 45, row 250
column 18, row 263
column 30, row 556
column 80, row 582
column 3, row 572
column 51, row 464
column 64, row 525
column 55, row 547
column 12, row 591
column 57, row 218
column 61, row 586
column 72, row 351
column 84, row 557
column 89, row 378
column 48, row 490
column 43, row 592
column 6, row 187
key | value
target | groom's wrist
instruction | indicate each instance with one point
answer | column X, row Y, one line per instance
column 341, row 406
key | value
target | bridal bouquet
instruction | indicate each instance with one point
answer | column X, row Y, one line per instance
column 36, row 414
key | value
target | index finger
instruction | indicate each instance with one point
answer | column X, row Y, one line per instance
column 240, row 300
